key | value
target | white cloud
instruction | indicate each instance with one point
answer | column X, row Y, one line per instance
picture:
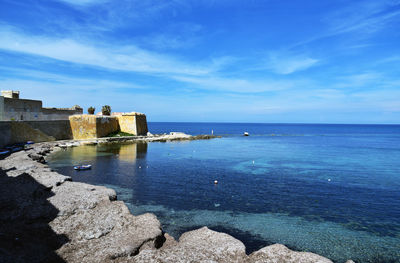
column 83, row 2
column 236, row 85
column 126, row 58
column 287, row 65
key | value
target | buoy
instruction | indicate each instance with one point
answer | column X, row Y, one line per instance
column 215, row 182
column 140, row 167
column 329, row 180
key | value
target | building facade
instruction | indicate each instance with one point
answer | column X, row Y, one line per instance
column 12, row 108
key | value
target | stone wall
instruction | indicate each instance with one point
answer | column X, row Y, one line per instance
column 5, row 133
column 20, row 109
column 92, row 126
column 37, row 131
column 1, row 108
column 59, row 114
column 141, row 124
column 13, row 108
column 133, row 123
column 77, row 127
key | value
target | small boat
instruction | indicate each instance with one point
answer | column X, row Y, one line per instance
column 83, row 167
column 30, row 142
column 245, row 134
column 4, row 152
column 14, row 149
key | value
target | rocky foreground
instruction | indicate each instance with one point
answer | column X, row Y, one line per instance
column 45, row 217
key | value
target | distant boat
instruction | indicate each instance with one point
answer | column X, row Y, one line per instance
column 30, row 142
column 83, row 167
column 245, row 134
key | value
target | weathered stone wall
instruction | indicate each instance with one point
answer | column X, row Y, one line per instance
column 20, row 109
column 38, row 131
column 127, row 123
column 5, row 133
column 133, row 123
column 1, row 108
column 59, row 129
column 13, row 108
column 58, row 114
column 141, row 124
column 92, row 126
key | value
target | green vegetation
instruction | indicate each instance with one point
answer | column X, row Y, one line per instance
column 119, row 134
column 91, row 110
column 106, row 110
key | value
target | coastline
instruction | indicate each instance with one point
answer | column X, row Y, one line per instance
column 86, row 223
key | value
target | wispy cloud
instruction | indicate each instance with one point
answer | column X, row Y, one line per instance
column 366, row 18
column 237, row 85
column 127, row 58
column 83, row 2
column 287, row 65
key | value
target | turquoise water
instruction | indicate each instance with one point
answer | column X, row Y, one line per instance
column 328, row 189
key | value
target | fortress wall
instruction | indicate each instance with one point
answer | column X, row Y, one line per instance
column 92, row 126
column 37, row 131
column 21, row 109
column 59, row 129
column 133, row 123
column 141, row 125
column 1, row 108
column 77, row 127
column 5, row 133
column 58, row 114
column 127, row 123
column 106, row 125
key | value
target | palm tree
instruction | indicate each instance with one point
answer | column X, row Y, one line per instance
column 106, row 110
column 91, row 110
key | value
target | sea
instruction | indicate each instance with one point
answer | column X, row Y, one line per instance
column 325, row 188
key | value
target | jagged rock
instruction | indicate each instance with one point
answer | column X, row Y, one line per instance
column 202, row 245
column 37, row 157
column 70, row 197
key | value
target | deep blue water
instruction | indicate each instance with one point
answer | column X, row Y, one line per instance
column 329, row 189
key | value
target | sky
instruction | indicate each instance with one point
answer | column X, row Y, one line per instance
column 270, row 61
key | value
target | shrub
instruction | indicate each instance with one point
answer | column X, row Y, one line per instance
column 106, row 110
column 91, row 110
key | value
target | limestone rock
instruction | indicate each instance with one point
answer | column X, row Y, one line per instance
column 201, row 245
column 280, row 254
column 72, row 196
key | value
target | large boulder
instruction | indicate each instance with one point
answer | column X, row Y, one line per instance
column 280, row 254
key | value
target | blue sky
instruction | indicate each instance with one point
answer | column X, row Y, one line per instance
column 208, row 60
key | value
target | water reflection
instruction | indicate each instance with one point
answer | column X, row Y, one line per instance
column 117, row 163
column 131, row 152
column 124, row 152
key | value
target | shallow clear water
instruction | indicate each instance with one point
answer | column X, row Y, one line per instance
column 330, row 189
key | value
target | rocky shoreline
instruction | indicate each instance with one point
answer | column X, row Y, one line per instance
column 45, row 217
